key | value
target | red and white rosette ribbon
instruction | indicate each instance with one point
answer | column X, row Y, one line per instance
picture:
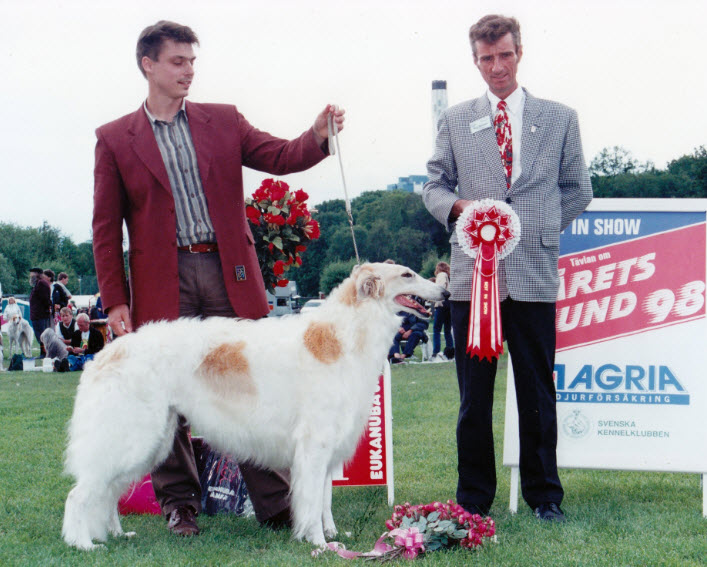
column 488, row 231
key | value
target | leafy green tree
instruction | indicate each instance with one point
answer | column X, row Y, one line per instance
column 334, row 274
column 8, row 278
column 614, row 161
column 693, row 167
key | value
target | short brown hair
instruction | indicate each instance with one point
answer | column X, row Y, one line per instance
column 442, row 267
column 62, row 275
column 152, row 37
column 493, row 27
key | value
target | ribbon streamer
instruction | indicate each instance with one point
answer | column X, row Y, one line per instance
column 487, row 231
column 408, row 542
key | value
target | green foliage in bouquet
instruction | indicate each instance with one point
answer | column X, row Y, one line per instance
column 282, row 227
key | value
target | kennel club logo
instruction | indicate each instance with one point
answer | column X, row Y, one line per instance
column 626, row 276
column 614, row 384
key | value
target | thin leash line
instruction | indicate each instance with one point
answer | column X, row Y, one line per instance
column 334, row 148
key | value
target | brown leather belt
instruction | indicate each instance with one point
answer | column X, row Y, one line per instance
column 201, row 248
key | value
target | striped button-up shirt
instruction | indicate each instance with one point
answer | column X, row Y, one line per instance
column 179, row 156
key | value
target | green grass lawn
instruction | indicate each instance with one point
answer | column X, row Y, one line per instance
column 615, row 518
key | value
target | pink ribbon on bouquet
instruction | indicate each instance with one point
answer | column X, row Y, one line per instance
column 488, row 231
column 410, row 540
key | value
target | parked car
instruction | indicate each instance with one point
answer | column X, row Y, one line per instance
column 311, row 305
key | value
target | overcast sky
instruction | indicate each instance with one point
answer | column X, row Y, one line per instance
column 634, row 69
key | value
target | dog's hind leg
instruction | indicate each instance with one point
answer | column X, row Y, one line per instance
column 327, row 517
column 84, row 520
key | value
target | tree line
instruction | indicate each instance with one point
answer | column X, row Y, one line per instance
column 387, row 224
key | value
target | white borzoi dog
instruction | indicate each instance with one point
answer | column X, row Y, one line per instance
column 20, row 334
column 285, row 393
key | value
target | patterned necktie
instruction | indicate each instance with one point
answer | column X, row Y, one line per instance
column 505, row 140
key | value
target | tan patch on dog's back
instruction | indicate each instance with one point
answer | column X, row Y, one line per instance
column 320, row 340
column 226, row 370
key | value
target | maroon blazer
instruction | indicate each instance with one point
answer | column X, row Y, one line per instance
column 131, row 185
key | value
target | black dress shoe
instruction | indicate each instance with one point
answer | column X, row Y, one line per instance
column 279, row 521
column 549, row 512
column 182, row 522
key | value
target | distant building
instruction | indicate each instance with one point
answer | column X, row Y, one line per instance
column 411, row 184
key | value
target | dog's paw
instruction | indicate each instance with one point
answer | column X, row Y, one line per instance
column 128, row 535
column 90, row 546
column 316, row 539
column 330, row 532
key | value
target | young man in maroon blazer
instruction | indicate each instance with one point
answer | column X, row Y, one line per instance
column 172, row 172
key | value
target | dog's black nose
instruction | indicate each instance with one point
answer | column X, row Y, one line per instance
column 446, row 294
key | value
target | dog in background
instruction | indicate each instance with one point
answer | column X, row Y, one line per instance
column 19, row 331
column 285, row 393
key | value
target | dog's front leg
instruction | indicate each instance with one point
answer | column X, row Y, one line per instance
column 309, row 474
column 327, row 517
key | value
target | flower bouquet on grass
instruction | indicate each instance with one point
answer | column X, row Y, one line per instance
column 282, row 227
column 430, row 527
column 415, row 530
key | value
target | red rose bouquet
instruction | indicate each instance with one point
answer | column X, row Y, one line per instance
column 416, row 530
column 282, row 227
column 436, row 526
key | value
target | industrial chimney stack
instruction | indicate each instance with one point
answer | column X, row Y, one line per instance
column 439, row 104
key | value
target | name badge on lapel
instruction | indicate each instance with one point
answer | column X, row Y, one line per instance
column 480, row 124
column 240, row 273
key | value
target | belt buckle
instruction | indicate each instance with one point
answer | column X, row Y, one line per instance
column 192, row 251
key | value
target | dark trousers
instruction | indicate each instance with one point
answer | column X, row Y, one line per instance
column 202, row 293
column 410, row 343
column 39, row 326
column 529, row 329
column 443, row 319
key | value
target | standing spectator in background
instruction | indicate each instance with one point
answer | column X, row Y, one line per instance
column 442, row 318
column 40, row 304
column 60, row 293
column 66, row 326
column 11, row 309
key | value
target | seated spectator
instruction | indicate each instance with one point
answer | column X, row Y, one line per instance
column 11, row 309
column 66, row 326
column 85, row 340
column 56, row 349
column 412, row 330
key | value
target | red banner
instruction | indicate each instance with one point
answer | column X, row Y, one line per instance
column 368, row 467
column 631, row 287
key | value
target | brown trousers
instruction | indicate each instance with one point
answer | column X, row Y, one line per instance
column 176, row 481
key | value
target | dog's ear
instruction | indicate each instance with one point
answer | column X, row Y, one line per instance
column 369, row 284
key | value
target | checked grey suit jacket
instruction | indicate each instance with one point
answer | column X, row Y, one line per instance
column 553, row 188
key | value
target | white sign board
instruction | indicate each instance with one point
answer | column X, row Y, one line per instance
column 631, row 339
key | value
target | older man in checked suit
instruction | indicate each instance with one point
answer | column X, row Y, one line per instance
column 545, row 180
